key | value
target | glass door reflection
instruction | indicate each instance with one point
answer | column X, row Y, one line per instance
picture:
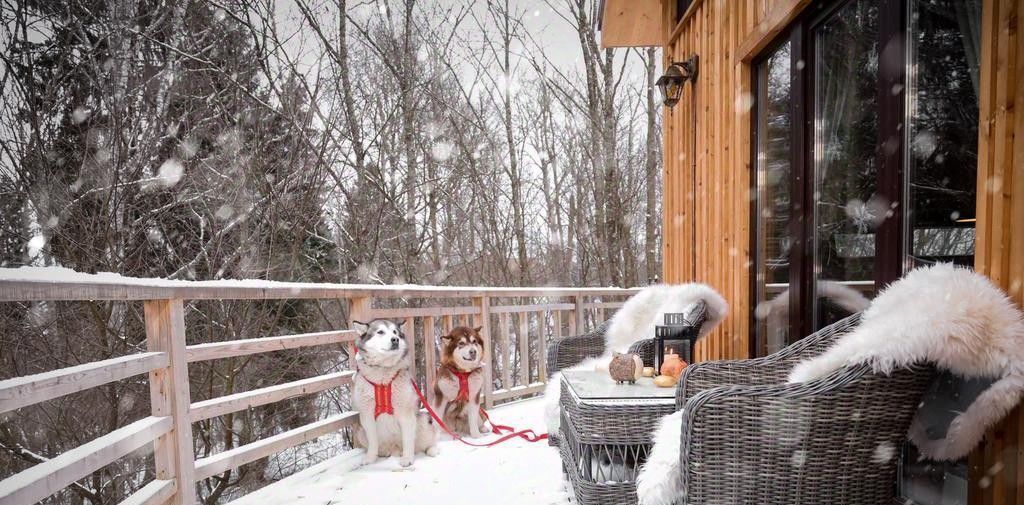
column 847, row 208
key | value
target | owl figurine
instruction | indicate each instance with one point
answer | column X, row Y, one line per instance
column 625, row 367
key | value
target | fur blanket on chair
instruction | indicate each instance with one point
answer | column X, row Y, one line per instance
column 945, row 315
column 635, row 321
column 953, row 318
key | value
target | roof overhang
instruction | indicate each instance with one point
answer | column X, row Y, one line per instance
column 633, row 23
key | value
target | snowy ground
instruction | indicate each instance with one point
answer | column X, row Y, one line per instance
column 513, row 473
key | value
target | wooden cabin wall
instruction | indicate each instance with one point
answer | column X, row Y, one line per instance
column 707, row 184
column 997, row 469
column 707, row 178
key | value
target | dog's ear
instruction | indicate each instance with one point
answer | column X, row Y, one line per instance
column 360, row 326
column 400, row 323
column 477, row 329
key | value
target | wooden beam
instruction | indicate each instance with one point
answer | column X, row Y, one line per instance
column 169, row 396
column 32, row 389
column 632, row 23
column 240, row 401
column 154, row 493
column 483, row 320
column 505, row 309
column 781, row 15
column 517, row 392
column 430, row 350
column 504, row 359
column 233, row 348
column 420, row 312
column 32, row 284
column 524, row 348
column 42, row 480
column 603, row 305
column 234, row 458
column 578, row 323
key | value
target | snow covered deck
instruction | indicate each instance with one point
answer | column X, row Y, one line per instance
column 513, row 473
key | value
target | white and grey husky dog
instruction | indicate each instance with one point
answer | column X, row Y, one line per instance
column 390, row 422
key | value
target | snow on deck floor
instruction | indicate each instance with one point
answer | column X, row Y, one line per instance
column 513, row 473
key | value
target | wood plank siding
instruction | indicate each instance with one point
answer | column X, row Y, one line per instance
column 707, row 164
column 997, row 469
column 707, row 202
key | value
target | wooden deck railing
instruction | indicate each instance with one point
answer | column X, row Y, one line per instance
column 512, row 320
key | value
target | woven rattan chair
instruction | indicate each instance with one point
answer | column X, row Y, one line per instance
column 748, row 437
column 570, row 351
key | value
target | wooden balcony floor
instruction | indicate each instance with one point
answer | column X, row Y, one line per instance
column 512, row 473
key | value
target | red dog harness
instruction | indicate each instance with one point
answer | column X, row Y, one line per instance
column 382, row 397
column 463, row 395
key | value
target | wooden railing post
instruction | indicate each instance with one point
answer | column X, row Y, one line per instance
column 483, row 319
column 579, row 316
column 359, row 309
column 169, row 396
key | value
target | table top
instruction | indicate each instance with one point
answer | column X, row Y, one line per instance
column 597, row 385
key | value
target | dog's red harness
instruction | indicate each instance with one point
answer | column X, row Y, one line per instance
column 463, row 395
column 382, row 397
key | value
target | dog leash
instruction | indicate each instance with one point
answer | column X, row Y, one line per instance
column 497, row 429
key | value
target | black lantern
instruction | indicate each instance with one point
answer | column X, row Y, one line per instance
column 677, row 336
column 676, row 75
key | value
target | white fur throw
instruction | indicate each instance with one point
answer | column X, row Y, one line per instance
column 660, row 479
column 635, row 321
column 953, row 318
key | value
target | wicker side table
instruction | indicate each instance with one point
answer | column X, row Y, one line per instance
column 606, row 434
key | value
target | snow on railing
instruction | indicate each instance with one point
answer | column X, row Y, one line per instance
column 511, row 318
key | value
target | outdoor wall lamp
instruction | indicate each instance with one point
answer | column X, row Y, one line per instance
column 676, row 75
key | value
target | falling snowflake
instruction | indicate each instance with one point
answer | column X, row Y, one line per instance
column 924, row 144
column 799, row 458
column 884, row 452
column 102, row 155
column 744, row 101
column 80, row 115
column 442, row 151
column 154, row 235
column 224, row 212
column 188, row 148
column 35, row 245
column 167, row 176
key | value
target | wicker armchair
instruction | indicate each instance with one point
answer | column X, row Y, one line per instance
column 570, row 351
column 749, row 437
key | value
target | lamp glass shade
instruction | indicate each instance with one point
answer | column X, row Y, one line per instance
column 671, row 85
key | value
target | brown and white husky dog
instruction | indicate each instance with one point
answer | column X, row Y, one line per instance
column 460, row 378
column 390, row 422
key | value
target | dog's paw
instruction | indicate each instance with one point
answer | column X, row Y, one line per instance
column 475, row 434
column 369, row 459
column 405, row 462
column 432, row 451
